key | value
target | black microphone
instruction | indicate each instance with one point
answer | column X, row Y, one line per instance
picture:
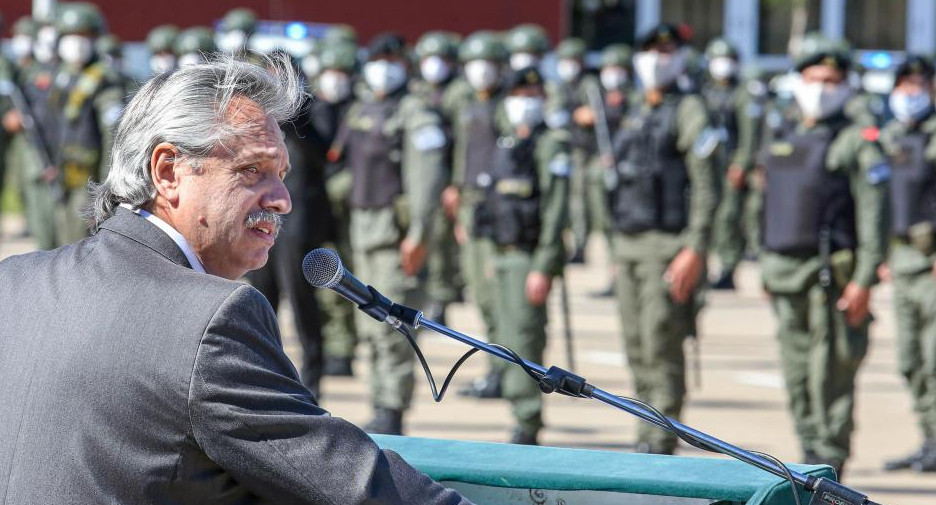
column 323, row 269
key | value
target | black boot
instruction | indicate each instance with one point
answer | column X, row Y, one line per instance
column 724, row 282
column 337, row 367
column 927, row 459
column 386, row 422
column 523, row 437
column 485, row 387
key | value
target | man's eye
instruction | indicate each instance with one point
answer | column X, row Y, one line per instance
column 253, row 169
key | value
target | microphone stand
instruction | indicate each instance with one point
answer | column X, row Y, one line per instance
column 555, row 379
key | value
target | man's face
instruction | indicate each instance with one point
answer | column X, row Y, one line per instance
column 914, row 84
column 240, row 178
column 828, row 76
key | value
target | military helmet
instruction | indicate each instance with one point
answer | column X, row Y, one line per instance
column 78, row 17
column 529, row 76
column 482, row 45
column 660, row 34
column 915, row 64
column 241, row 18
column 817, row 49
column 341, row 33
column 617, row 55
column 108, row 44
column 339, row 57
column 527, row 38
column 720, row 48
column 387, row 44
column 161, row 38
column 436, row 44
column 197, row 39
column 25, row 26
column 571, row 49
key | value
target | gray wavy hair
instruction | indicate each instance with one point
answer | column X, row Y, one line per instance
column 186, row 108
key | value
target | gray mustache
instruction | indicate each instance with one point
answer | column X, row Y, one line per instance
column 265, row 216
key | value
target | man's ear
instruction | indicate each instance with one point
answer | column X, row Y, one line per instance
column 163, row 172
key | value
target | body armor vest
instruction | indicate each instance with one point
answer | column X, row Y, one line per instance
column 653, row 185
column 81, row 141
column 720, row 102
column 510, row 212
column 481, row 142
column 912, row 185
column 374, row 157
column 803, row 198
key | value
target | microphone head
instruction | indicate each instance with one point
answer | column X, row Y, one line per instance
column 322, row 268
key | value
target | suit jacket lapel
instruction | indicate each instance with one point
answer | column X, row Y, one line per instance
column 136, row 228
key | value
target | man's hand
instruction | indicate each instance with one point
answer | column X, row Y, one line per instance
column 683, row 274
column 12, row 121
column 49, row 174
column 736, row 177
column 584, row 116
column 884, row 272
column 854, row 303
column 451, row 199
column 412, row 256
column 537, row 288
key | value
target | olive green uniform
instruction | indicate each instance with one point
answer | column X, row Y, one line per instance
column 376, row 233
column 820, row 357
column 911, row 261
column 520, row 325
column 653, row 325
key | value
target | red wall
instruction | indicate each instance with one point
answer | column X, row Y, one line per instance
column 132, row 19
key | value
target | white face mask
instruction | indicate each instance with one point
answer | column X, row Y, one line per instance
column 481, row 74
column 311, row 66
column 75, row 49
column 334, row 86
column 910, row 108
column 160, row 63
column 819, row 101
column 44, row 49
column 613, row 78
column 568, row 70
column 435, row 69
column 519, row 61
column 524, row 110
column 232, row 41
column 384, row 76
column 22, row 46
column 189, row 59
column 723, row 68
column 658, row 70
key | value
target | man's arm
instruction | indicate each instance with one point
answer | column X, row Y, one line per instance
column 691, row 121
column 253, row 417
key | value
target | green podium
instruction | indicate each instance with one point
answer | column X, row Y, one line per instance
column 505, row 474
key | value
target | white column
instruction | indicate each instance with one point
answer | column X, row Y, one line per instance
column 648, row 15
column 741, row 26
column 921, row 26
column 832, row 18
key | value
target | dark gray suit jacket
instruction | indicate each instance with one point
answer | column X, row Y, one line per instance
column 127, row 377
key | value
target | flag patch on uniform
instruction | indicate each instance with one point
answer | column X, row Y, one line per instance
column 879, row 174
column 428, row 137
column 560, row 166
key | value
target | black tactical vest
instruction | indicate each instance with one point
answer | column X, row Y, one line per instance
column 803, row 197
column 653, row 185
column 510, row 212
column 912, row 185
column 481, row 142
column 720, row 102
column 373, row 156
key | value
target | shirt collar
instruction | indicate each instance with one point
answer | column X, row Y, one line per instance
column 173, row 234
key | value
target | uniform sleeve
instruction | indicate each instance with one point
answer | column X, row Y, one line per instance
column 692, row 120
column 424, row 167
column 749, row 116
column 869, row 187
column 555, row 166
column 109, row 105
column 252, row 416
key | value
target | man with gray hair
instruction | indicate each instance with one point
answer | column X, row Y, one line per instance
column 135, row 368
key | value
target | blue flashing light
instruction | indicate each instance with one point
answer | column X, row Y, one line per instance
column 297, row 30
column 877, row 60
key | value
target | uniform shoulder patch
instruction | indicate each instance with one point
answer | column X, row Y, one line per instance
column 560, row 165
column 879, row 174
column 429, row 137
column 707, row 142
column 754, row 110
column 112, row 114
column 871, row 133
column 558, row 119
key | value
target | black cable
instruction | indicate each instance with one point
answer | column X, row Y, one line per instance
column 786, row 472
column 437, row 394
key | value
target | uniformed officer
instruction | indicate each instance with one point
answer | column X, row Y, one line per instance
column 159, row 41
column 476, row 131
column 194, row 45
column 333, row 93
column 824, row 211
column 909, row 141
column 571, row 93
column 21, row 45
column 662, row 206
column 89, row 100
column 311, row 61
column 522, row 213
column 735, row 117
column 394, row 148
column 342, row 34
column 437, row 54
column 109, row 49
column 527, row 44
column 234, row 31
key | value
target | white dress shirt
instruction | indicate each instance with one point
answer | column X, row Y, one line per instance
column 173, row 234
